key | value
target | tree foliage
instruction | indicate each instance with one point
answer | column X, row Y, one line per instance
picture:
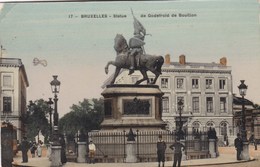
column 37, row 120
column 86, row 116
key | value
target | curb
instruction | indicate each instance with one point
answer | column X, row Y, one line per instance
column 224, row 163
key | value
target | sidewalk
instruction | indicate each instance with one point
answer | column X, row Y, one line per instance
column 224, row 158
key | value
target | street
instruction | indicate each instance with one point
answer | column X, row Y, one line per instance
column 253, row 153
column 227, row 156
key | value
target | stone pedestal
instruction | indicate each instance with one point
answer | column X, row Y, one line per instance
column 131, row 152
column 212, row 149
column 245, row 153
column 82, row 147
column 132, row 106
column 184, row 156
column 55, row 156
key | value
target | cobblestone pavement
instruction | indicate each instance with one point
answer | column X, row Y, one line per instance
column 253, row 153
column 227, row 155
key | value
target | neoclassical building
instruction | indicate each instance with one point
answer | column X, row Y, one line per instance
column 14, row 83
column 204, row 88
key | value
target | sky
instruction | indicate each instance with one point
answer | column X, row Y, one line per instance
column 76, row 43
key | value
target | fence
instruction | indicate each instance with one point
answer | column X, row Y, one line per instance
column 111, row 145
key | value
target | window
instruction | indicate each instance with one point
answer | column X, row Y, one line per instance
column 210, row 124
column 164, row 83
column 223, row 128
column 7, row 82
column 179, row 83
column 195, row 83
column 180, row 99
column 223, row 104
column 165, row 104
column 195, row 105
column 209, row 84
column 195, row 126
column 7, row 104
column 209, row 102
column 222, row 84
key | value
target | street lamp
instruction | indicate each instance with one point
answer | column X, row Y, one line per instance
column 242, row 91
column 56, row 146
column 55, row 87
column 180, row 133
column 50, row 102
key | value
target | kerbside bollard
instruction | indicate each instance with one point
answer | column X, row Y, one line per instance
column 131, row 152
column 212, row 149
column 82, row 147
column 55, row 156
column 245, row 152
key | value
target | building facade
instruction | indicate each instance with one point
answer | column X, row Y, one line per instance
column 205, row 90
column 14, row 83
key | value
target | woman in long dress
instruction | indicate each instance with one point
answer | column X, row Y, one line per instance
column 39, row 149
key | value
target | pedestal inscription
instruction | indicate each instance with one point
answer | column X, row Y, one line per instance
column 136, row 107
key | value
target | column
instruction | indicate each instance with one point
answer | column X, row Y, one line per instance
column 55, row 156
column 245, row 152
column 131, row 152
column 212, row 148
column 82, row 148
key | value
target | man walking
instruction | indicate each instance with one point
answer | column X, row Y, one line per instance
column 25, row 145
column 161, row 147
column 177, row 148
column 239, row 146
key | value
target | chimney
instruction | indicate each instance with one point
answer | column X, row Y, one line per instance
column 167, row 59
column 182, row 60
column 223, row 61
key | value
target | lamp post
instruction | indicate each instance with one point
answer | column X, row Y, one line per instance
column 56, row 147
column 50, row 102
column 55, row 87
column 180, row 133
column 242, row 91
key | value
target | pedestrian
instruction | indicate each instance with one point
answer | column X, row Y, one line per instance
column 161, row 147
column 177, row 148
column 39, row 149
column 239, row 146
column 33, row 149
column 92, row 152
column 25, row 145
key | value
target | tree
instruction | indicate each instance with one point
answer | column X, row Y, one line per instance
column 256, row 106
column 86, row 116
column 36, row 119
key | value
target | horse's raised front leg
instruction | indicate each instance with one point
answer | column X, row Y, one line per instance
column 115, row 75
column 145, row 77
column 110, row 62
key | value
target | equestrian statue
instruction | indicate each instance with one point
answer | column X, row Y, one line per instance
column 133, row 56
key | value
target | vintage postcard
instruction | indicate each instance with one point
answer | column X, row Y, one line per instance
column 80, row 40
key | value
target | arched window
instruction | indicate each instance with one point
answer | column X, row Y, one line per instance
column 223, row 128
column 210, row 124
column 196, row 125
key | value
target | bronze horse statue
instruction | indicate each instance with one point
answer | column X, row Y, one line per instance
column 143, row 62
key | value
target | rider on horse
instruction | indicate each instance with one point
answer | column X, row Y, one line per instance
column 136, row 43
